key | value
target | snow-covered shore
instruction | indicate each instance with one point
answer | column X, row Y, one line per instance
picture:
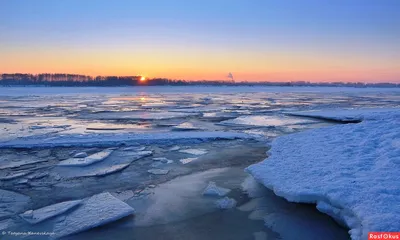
column 350, row 171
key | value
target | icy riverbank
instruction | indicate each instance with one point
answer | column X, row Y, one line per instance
column 350, row 171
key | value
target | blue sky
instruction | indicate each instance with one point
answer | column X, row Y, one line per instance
column 257, row 39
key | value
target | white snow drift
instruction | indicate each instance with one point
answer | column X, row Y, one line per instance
column 350, row 171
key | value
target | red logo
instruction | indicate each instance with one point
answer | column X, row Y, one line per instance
column 383, row 235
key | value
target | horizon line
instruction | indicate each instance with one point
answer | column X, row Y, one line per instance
column 199, row 80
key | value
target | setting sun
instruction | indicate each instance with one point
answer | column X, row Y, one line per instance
column 142, row 78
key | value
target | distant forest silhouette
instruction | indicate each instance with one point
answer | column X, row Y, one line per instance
column 72, row 80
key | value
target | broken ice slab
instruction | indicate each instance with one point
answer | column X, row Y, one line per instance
column 80, row 155
column 194, row 151
column 225, row 203
column 265, row 121
column 94, row 158
column 134, row 148
column 98, row 210
column 116, row 162
column 186, row 126
column 187, row 160
column 13, row 175
column 174, row 148
column 156, row 171
column 163, row 160
column 213, row 190
column 11, row 202
column 41, row 214
column 18, row 160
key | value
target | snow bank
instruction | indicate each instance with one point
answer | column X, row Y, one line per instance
column 41, row 214
column 98, row 210
column 346, row 115
column 107, row 139
column 350, row 172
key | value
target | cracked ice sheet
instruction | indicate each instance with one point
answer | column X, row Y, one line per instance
column 136, row 115
column 341, row 114
column 98, row 210
column 108, row 140
column 11, row 202
column 350, row 172
column 17, row 160
column 116, row 162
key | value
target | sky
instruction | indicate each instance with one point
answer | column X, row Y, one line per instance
column 255, row 40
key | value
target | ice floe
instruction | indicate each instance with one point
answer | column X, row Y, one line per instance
column 194, row 151
column 156, row 171
column 186, row 126
column 98, row 210
column 226, row 203
column 174, row 148
column 42, row 214
column 187, row 160
column 109, row 140
column 213, row 190
column 94, row 158
column 11, row 203
column 350, row 172
column 265, row 121
column 115, row 162
column 80, row 155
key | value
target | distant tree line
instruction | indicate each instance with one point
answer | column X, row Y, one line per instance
column 47, row 79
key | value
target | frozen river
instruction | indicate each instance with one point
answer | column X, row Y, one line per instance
column 155, row 150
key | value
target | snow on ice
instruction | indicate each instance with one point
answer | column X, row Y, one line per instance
column 350, row 172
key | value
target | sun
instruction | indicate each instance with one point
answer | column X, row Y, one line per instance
column 142, row 78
